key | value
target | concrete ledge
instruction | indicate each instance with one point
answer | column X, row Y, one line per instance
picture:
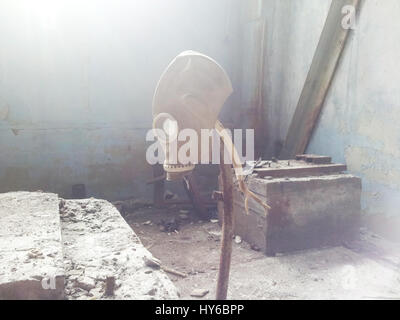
column 103, row 257
column 30, row 246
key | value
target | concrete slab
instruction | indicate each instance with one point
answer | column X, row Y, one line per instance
column 103, row 257
column 30, row 246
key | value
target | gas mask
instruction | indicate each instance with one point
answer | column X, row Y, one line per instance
column 189, row 95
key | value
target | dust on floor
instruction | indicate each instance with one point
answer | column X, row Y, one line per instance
column 365, row 269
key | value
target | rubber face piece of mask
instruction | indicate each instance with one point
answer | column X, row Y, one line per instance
column 189, row 95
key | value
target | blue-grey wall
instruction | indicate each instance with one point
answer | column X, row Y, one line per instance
column 359, row 124
column 76, row 85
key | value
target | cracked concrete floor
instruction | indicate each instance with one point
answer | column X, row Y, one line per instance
column 364, row 269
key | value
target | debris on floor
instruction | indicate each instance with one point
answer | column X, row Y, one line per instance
column 199, row 293
column 238, row 240
column 361, row 269
column 170, row 225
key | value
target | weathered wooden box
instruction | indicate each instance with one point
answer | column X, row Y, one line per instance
column 313, row 204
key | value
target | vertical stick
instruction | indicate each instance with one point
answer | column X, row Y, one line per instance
column 227, row 227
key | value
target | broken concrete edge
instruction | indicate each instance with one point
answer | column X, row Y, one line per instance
column 30, row 246
column 38, row 266
column 111, row 263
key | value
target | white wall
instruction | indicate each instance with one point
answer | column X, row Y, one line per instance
column 76, row 85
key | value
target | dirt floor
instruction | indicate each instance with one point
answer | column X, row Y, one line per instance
column 365, row 269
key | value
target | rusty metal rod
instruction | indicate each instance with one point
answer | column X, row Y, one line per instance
column 227, row 227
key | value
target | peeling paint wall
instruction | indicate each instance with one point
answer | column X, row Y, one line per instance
column 76, row 85
column 360, row 119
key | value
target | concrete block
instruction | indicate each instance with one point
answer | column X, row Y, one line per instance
column 306, row 212
column 103, row 257
column 30, row 246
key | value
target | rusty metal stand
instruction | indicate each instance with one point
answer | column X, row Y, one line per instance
column 227, row 227
column 190, row 184
column 159, row 177
column 192, row 190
